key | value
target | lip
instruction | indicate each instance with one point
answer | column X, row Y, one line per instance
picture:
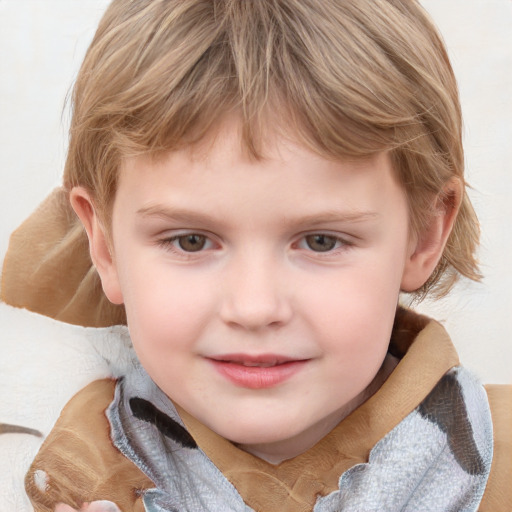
column 257, row 372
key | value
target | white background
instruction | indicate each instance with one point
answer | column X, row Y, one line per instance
column 42, row 43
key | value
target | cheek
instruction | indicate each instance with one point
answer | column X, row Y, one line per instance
column 357, row 339
column 355, row 313
column 165, row 309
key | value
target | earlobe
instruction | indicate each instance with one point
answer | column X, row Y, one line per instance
column 427, row 247
column 99, row 246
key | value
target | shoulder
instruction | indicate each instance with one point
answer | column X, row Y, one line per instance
column 78, row 462
column 498, row 493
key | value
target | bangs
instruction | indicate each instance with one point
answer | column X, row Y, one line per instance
column 314, row 71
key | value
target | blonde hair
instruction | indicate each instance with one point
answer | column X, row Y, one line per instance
column 349, row 78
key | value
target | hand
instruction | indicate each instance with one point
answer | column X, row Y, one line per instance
column 95, row 506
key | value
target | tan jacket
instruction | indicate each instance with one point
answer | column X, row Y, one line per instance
column 48, row 270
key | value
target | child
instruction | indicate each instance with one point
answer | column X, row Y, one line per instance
column 259, row 180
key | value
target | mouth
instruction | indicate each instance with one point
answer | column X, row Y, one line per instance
column 257, row 372
column 261, row 361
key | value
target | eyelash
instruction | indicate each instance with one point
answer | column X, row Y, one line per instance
column 168, row 243
column 340, row 244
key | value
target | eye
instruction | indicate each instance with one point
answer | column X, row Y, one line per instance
column 320, row 242
column 191, row 242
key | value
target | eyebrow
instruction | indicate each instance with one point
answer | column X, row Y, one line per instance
column 332, row 216
column 175, row 214
column 315, row 219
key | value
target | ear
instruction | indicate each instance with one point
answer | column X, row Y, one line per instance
column 427, row 247
column 99, row 244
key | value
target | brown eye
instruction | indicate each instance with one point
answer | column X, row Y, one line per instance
column 191, row 243
column 321, row 243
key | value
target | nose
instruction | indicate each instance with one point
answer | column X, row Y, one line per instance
column 256, row 294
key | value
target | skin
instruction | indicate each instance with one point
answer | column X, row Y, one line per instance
column 293, row 255
column 95, row 506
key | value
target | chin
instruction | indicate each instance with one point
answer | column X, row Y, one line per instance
column 254, row 432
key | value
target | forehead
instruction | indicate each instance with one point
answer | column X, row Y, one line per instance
column 217, row 176
column 273, row 144
column 258, row 146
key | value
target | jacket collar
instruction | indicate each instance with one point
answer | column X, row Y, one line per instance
column 426, row 354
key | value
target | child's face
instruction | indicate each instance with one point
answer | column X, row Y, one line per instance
column 260, row 295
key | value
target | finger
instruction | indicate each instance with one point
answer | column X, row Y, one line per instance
column 61, row 507
column 100, row 506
